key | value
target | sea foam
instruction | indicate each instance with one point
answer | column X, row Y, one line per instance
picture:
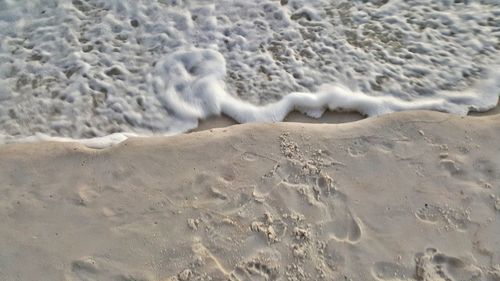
column 100, row 71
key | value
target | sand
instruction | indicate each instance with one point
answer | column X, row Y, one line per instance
column 405, row 196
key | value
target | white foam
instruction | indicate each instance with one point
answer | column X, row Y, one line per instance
column 92, row 69
column 201, row 94
column 95, row 143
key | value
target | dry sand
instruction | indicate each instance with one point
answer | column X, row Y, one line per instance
column 407, row 196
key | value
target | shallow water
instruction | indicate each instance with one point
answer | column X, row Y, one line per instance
column 91, row 68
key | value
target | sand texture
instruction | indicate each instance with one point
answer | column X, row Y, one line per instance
column 91, row 68
column 407, row 196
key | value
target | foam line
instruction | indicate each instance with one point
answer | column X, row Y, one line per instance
column 200, row 93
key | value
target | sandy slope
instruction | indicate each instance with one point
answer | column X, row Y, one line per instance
column 408, row 196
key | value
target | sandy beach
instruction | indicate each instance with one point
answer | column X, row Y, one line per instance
column 404, row 196
column 290, row 140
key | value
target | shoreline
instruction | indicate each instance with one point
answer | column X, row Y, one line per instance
column 329, row 117
column 223, row 121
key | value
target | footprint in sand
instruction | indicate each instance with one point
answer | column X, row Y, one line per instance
column 263, row 267
column 429, row 266
column 307, row 190
column 318, row 201
column 208, row 264
column 435, row 266
column 447, row 217
column 344, row 227
column 95, row 269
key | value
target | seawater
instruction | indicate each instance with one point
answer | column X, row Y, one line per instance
column 109, row 69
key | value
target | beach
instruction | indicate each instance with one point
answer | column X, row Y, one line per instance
column 290, row 140
column 403, row 196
